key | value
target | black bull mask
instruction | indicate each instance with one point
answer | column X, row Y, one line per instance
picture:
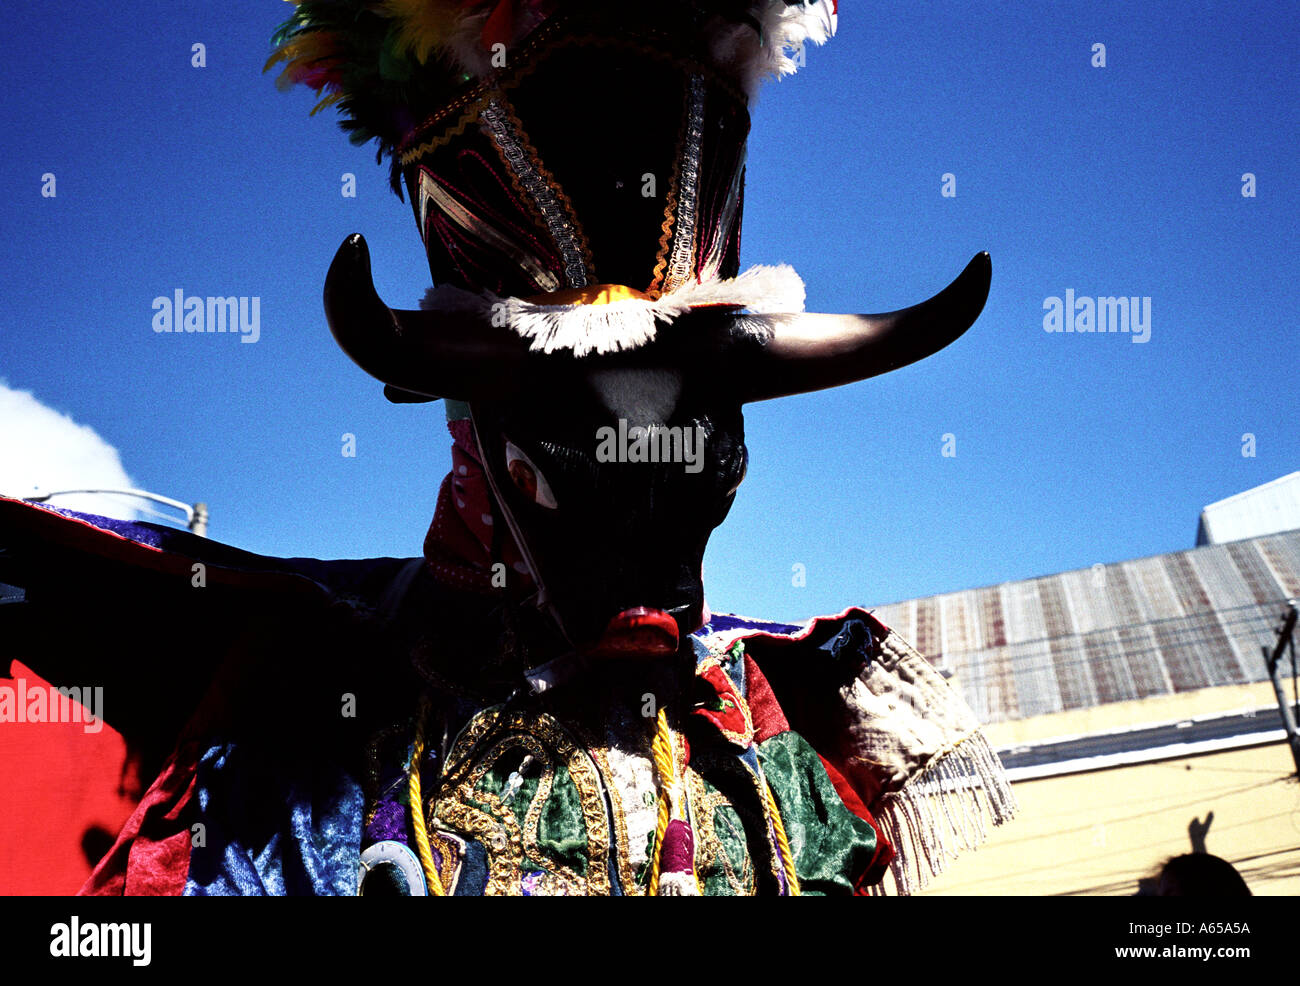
column 574, row 448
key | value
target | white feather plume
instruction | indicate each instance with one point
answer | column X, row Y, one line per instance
column 627, row 324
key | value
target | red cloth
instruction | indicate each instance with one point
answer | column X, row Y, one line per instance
column 884, row 851
column 763, row 707
column 770, row 720
column 152, row 854
column 61, row 786
column 458, row 547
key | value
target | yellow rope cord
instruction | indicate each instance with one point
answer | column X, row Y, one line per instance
column 417, row 807
column 662, row 749
column 787, row 857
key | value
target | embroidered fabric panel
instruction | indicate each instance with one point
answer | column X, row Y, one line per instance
column 620, row 746
column 479, row 231
column 561, row 807
column 736, row 854
column 533, row 799
column 722, row 858
column 540, row 190
column 681, row 262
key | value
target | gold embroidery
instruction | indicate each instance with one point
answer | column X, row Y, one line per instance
column 483, row 816
column 711, row 854
column 495, row 828
column 451, row 850
column 618, row 735
column 752, row 809
column 670, row 208
column 715, row 780
column 533, row 820
column 745, row 738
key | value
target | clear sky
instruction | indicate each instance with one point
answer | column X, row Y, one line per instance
column 1071, row 449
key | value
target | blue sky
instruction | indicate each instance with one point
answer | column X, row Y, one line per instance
column 1070, row 449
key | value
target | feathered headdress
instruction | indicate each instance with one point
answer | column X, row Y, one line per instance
column 576, row 167
column 386, row 64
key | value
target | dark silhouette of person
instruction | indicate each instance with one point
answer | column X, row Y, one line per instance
column 1198, row 874
column 1197, row 830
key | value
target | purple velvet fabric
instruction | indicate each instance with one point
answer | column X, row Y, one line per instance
column 388, row 823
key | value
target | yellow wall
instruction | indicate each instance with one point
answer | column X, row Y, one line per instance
column 1147, row 712
column 1097, row 833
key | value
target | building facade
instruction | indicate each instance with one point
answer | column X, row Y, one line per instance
column 1128, row 701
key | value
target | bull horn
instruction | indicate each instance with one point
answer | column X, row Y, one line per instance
column 419, row 355
column 814, row 351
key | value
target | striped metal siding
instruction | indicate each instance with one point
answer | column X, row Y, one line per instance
column 1111, row 633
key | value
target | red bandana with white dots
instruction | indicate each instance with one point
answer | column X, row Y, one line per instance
column 458, row 546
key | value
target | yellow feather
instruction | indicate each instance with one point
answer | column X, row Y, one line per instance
column 276, row 58
column 301, row 51
column 326, row 102
column 423, row 24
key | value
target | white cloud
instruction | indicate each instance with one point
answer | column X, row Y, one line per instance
column 43, row 450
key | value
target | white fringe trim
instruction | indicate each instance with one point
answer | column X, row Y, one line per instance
column 941, row 812
column 627, row 324
column 678, row 885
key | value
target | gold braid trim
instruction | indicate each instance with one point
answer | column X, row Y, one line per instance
column 417, row 806
column 470, row 116
column 670, row 205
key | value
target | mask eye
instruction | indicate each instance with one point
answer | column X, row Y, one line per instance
column 528, row 478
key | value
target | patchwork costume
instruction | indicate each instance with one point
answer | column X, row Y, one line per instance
column 541, row 704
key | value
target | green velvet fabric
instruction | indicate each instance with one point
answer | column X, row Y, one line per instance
column 831, row 845
column 731, row 833
column 562, row 831
column 561, row 828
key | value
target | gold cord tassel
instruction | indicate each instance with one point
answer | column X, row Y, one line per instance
column 417, row 806
column 673, row 836
column 787, row 857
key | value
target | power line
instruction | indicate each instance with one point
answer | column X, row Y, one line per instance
column 1105, row 651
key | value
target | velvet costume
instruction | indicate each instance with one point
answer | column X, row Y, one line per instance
column 286, row 788
column 280, row 816
column 796, row 759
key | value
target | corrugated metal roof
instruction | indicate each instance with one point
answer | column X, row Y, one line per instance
column 1110, row 633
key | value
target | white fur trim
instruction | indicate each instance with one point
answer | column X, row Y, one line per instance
column 737, row 50
column 628, row 324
